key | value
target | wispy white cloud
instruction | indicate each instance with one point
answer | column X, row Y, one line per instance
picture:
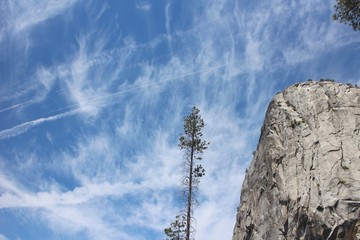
column 2, row 237
column 20, row 20
column 78, row 209
column 143, row 5
column 82, row 219
column 23, row 15
column 168, row 25
column 37, row 89
column 71, row 211
column 90, row 98
column 253, row 58
column 24, row 127
column 17, row 198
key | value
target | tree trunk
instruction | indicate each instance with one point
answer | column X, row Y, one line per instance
column 188, row 216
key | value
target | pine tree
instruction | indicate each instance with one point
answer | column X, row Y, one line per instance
column 176, row 231
column 348, row 12
column 193, row 145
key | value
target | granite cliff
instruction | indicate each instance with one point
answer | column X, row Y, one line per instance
column 304, row 179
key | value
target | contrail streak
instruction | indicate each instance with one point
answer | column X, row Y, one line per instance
column 15, row 106
column 157, row 82
column 22, row 128
column 135, row 88
column 19, row 129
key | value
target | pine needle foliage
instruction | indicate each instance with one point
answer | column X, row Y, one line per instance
column 176, row 231
column 348, row 12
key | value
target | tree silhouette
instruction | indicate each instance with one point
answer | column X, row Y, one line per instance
column 193, row 145
column 348, row 12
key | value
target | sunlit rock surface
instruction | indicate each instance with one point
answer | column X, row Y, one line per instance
column 304, row 179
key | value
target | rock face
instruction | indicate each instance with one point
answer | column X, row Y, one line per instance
column 304, row 179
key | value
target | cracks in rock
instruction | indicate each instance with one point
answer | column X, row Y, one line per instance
column 249, row 230
column 333, row 208
column 294, row 122
column 329, row 101
column 333, row 232
column 302, row 223
column 357, row 124
column 309, row 192
column 285, row 229
column 284, row 202
column 278, row 161
column 315, row 154
column 352, row 203
column 302, row 160
column 342, row 157
column 348, row 229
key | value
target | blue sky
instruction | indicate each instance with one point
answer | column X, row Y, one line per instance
column 93, row 95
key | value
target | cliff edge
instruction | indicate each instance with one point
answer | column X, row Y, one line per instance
column 304, row 179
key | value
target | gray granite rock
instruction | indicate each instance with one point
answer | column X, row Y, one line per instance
column 304, row 179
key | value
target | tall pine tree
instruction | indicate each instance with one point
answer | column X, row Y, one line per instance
column 193, row 145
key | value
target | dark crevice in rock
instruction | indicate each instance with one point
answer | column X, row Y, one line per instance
column 284, row 202
column 285, row 229
column 249, row 230
column 320, row 208
column 301, row 225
